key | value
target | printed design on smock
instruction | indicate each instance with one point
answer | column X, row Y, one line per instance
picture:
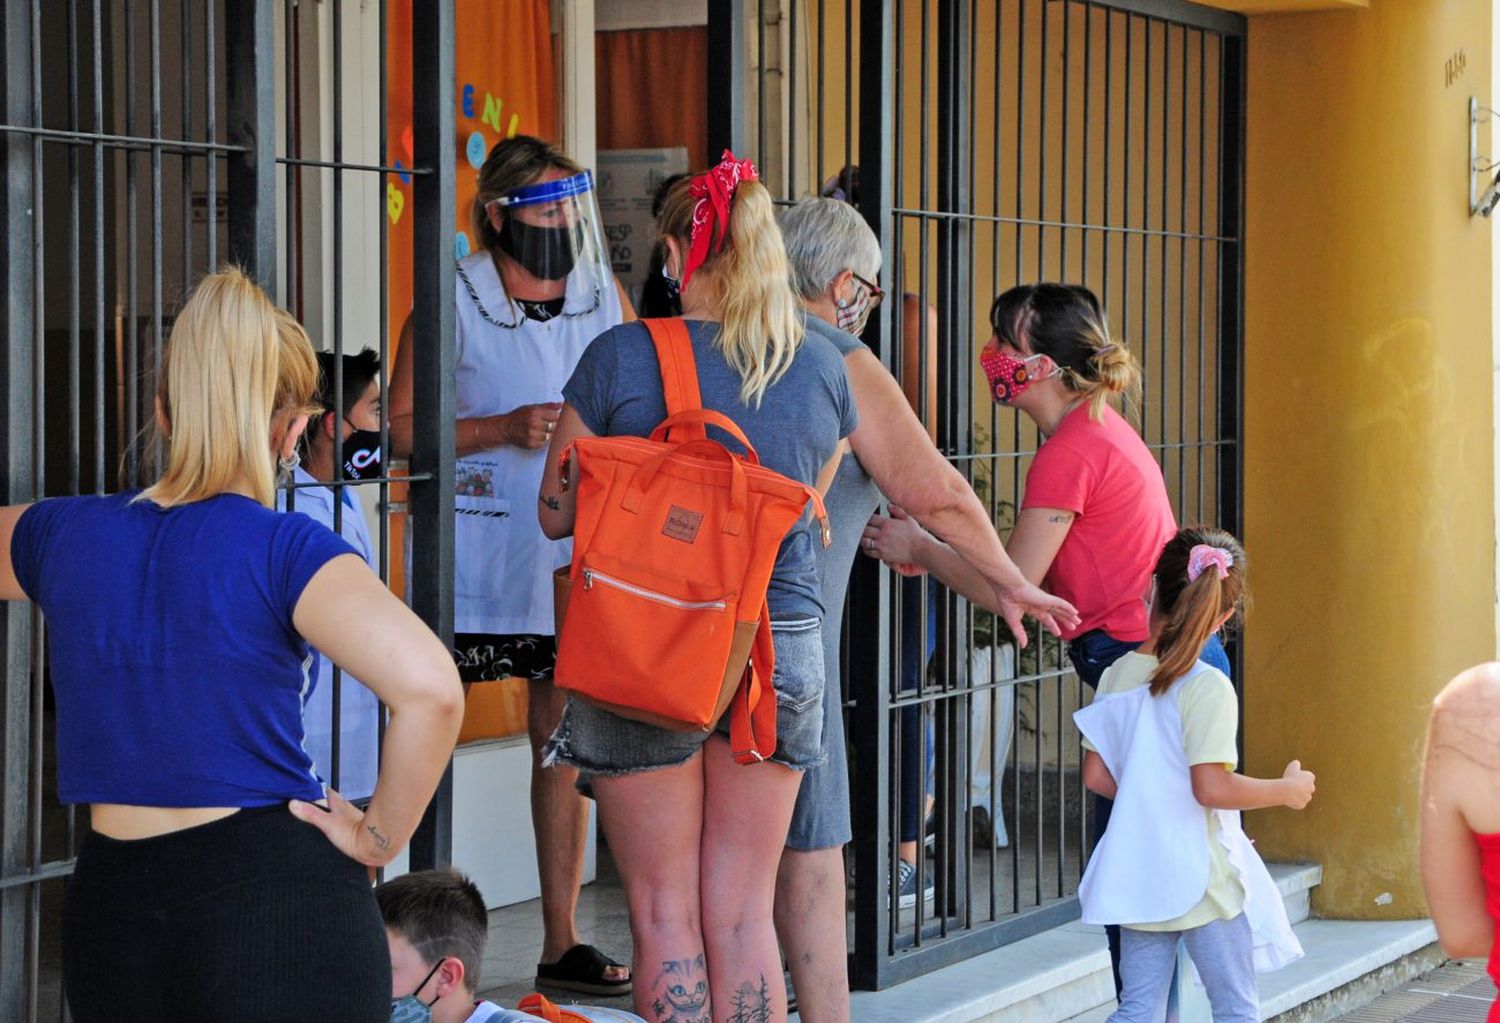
column 682, row 524
column 474, row 481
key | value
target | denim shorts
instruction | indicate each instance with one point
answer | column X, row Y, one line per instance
column 598, row 742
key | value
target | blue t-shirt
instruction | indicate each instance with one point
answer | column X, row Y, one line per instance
column 616, row 390
column 178, row 674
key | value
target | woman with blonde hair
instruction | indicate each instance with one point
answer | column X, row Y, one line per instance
column 696, row 836
column 180, row 619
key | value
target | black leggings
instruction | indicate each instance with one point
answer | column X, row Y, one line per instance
column 255, row 917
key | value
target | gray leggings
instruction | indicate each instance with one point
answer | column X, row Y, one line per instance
column 1223, row 951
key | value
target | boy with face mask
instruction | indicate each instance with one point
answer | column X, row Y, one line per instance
column 436, row 925
column 350, row 434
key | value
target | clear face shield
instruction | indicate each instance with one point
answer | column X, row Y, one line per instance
column 554, row 231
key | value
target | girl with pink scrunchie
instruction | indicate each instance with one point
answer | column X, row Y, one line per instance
column 1160, row 741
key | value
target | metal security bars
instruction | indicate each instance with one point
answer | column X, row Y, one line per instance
column 1001, row 142
column 145, row 143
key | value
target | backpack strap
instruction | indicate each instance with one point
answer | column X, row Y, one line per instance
column 679, row 372
column 538, row 1004
column 752, row 717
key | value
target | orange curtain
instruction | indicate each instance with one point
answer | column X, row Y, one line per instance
column 651, row 87
column 506, row 85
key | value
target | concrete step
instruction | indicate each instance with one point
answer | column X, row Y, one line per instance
column 1063, row 974
column 1041, row 979
column 1296, row 881
column 1349, row 963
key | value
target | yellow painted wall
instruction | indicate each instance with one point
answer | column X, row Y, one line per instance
column 1369, row 484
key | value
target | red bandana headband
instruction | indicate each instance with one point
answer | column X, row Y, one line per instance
column 714, row 190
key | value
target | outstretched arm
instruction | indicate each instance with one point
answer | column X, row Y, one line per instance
column 896, row 451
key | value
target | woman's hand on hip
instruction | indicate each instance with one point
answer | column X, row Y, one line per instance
column 344, row 824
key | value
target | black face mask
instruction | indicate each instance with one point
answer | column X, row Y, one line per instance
column 545, row 252
column 362, row 455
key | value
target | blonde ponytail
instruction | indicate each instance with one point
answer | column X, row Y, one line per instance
column 761, row 324
column 233, row 365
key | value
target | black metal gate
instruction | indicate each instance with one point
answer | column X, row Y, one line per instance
column 145, row 143
column 1001, row 142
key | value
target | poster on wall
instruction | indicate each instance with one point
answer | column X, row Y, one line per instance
column 627, row 182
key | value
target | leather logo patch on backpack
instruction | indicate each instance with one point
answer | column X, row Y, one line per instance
column 682, row 524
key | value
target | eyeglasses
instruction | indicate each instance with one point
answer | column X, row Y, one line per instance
column 876, row 292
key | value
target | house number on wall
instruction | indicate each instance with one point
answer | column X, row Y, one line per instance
column 1453, row 68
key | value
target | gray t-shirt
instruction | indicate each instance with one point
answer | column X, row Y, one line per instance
column 616, row 390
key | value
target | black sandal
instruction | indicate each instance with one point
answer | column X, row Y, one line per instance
column 581, row 969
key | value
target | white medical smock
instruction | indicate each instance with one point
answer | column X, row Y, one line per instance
column 1152, row 863
column 504, row 563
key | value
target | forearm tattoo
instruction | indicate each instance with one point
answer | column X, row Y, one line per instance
column 1061, row 520
column 380, row 840
column 550, row 502
column 682, row 992
column 751, row 1003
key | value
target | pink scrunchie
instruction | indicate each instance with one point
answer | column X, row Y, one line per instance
column 714, row 190
column 1203, row 555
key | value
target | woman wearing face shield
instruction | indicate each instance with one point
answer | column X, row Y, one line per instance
column 835, row 259
column 534, row 294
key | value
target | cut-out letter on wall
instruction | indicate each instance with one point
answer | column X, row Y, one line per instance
column 492, row 108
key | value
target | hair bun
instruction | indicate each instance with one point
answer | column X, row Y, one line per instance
column 1114, row 367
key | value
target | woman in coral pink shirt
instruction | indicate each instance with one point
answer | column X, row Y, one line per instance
column 1094, row 513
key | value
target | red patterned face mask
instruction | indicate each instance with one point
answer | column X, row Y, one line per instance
column 714, row 190
column 1008, row 375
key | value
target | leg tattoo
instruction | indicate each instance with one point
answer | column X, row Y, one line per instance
column 751, row 1003
column 682, row 992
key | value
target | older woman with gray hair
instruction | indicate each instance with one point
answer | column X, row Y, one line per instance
column 835, row 260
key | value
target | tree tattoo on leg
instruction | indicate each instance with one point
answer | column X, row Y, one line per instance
column 682, row 988
column 751, row 1003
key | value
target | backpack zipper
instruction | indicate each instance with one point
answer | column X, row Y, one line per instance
column 590, row 574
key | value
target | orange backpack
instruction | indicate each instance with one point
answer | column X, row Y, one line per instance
column 673, row 544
